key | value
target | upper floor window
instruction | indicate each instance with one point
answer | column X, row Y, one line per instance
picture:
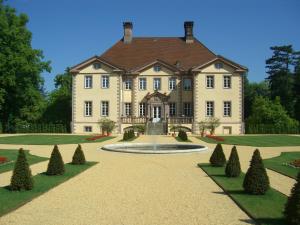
column 210, row 108
column 127, row 108
column 128, row 84
column 97, row 66
column 172, row 83
column 227, row 81
column 210, row 81
column 227, row 108
column 187, row 108
column 104, row 108
column 218, row 65
column 157, row 68
column 187, row 84
column 142, row 84
column 156, row 84
column 88, row 81
column 88, row 107
column 105, row 81
column 172, row 108
column 142, row 109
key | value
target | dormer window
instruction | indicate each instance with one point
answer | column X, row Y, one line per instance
column 97, row 66
column 157, row 68
column 219, row 65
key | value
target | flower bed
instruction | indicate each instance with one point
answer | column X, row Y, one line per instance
column 295, row 163
column 96, row 137
column 3, row 159
column 216, row 138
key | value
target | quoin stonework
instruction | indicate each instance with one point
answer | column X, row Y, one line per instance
column 158, row 80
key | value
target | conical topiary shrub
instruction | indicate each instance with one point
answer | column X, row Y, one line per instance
column 78, row 157
column 21, row 178
column 292, row 207
column 218, row 158
column 233, row 166
column 56, row 165
column 256, row 180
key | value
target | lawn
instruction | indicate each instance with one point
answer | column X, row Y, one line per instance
column 11, row 155
column 11, row 200
column 265, row 209
column 49, row 139
column 278, row 164
column 258, row 140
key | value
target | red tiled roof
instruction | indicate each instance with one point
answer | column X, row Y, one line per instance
column 142, row 51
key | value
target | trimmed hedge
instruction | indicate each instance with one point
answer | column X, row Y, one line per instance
column 78, row 157
column 182, row 135
column 218, row 158
column 56, row 164
column 270, row 129
column 128, row 135
column 233, row 166
column 41, row 128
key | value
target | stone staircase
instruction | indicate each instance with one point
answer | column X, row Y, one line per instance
column 156, row 128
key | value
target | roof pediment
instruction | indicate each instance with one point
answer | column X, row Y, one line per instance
column 153, row 63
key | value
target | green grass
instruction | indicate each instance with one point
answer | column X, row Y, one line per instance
column 278, row 164
column 49, row 139
column 11, row 200
column 11, row 155
column 265, row 209
column 258, row 140
column 180, row 140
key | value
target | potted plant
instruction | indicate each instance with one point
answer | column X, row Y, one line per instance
column 107, row 126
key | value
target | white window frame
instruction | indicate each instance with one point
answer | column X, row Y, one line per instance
column 105, row 108
column 227, row 82
column 172, row 109
column 128, row 84
column 97, row 65
column 104, row 81
column 88, row 81
column 185, row 87
column 209, row 108
column 88, row 129
column 142, row 83
column 210, row 81
column 155, row 80
column 127, row 108
column 187, row 109
column 157, row 68
column 227, row 108
column 88, row 108
column 172, row 83
column 142, row 109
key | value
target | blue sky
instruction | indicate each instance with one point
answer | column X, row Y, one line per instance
column 69, row 32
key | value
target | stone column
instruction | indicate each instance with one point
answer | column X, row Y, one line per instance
column 120, row 101
column 196, row 106
column 134, row 100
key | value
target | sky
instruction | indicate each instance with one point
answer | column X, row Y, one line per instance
column 69, row 32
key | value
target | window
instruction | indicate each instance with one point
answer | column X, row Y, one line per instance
column 227, row 81
column 104, row 108
column 127, row 109
column 88, row 82
column 142, row 109
column 227, row 108
column 187, row 109
column 128, row 84
column 157, row 68
column 210, row 81
column 172, row 83
column 210, row 108
column 97, row 66
column 142, row 84
column 219, row 65
column 88, row 129
column 187, row 84
column 105, row 81
column 172, row 108
column 88, row 108
column 156, row 84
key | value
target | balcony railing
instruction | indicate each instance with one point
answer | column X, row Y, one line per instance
column 142, row 120
column 180, row 120
column 133, row 120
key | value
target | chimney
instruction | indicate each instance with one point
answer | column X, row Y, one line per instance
column 127, row 32
column 188, row 31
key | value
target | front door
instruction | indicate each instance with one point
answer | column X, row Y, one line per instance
column 156, row 114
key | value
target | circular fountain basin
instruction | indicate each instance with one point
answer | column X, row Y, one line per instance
column 150, row 148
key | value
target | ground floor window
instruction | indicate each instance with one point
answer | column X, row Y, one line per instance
column 187, row 108
column 127, row 109
column 210, row 108
column 104, row 108
column 88, row 108
column 88, row 129
column 142, row 109
column 172, row 108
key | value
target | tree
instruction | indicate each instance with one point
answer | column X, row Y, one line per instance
column 59, row 106
column 78, row 157
column 21, row 178
column 21, row 84
column 297, row 90
column 56, row 165
column 218, row 158
column 212, row 124
column 233, row 166
column 107, row 125
column 202, row 126
column 256, row 180
column 292, row 207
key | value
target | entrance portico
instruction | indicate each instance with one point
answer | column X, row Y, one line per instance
column 158, row 106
